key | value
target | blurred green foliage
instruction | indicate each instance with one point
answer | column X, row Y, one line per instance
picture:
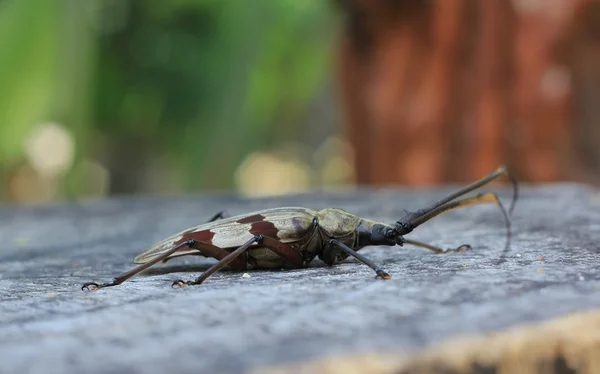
column 166, row 95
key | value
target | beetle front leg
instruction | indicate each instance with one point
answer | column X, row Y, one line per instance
column 380, row 272
column 275, row 245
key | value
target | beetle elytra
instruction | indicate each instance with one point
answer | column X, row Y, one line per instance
column 291, row 237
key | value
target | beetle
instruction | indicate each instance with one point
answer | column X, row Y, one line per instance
column 291, row 237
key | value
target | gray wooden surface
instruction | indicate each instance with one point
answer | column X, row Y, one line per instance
column 232, row 323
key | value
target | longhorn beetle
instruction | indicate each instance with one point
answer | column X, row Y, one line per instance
column 292, row 236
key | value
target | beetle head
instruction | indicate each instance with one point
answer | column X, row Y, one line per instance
column 384, row 235
column 379, row 233
column 393, row 234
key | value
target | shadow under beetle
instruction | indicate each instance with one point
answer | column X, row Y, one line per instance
column 292, row 236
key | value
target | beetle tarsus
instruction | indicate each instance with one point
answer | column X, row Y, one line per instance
column 460, row 249
column 180, row 283
column 382, row 274
column 95, row 286
column 86, row 286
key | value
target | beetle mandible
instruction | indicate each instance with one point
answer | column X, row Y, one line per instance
column 292, row 236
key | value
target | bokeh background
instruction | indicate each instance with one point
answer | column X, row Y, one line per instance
column 152, row 97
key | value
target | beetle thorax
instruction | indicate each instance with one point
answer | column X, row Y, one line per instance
column 337, row 222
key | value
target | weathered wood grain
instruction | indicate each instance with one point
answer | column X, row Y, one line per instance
column 235, row 323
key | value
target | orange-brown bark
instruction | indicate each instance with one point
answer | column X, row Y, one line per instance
column 445, row 90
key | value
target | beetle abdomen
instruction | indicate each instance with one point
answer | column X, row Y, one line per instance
column 264, row 258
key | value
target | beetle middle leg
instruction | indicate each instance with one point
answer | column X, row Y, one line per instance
column 330, row 254
column 275, row 245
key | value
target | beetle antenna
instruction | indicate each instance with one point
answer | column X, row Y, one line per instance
column 411, row 220
column 515, row 185
column 479, row 199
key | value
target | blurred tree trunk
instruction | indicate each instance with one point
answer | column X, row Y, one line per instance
column 446, row 90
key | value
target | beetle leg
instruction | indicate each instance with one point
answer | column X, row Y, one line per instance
column 222, row 214
column 219, row 265
column 275, row 245
column 435, row 249
column 128, row 274
column 218, row 253
column 380, row 272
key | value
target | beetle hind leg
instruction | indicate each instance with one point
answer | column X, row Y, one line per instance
column 92, row 286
